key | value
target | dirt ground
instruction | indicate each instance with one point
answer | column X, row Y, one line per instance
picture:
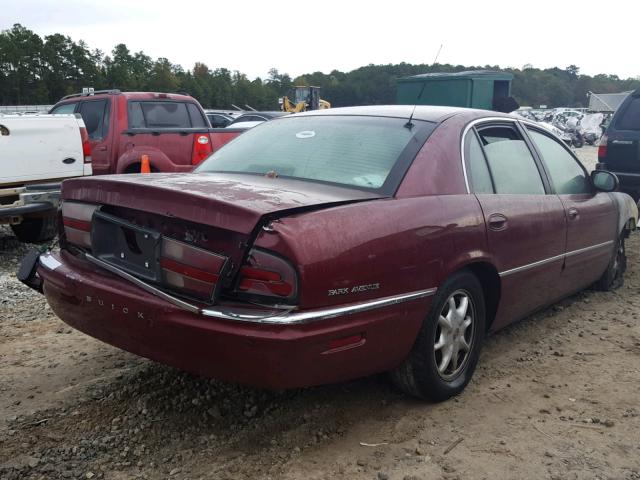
column 556, row 396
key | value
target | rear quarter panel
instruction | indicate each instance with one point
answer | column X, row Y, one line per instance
column 378, row 248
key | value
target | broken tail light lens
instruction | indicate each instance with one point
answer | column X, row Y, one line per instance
column 190, row 270
column 76, row 218
column 267, row 275
column 602, row 147
column 201, row 148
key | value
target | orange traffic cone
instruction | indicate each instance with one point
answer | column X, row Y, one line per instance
column 145, row 166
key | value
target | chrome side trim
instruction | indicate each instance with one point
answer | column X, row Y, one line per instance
column 529, row 266
column 289, row 317
column 553, row 259
column 588, row 249
column 319, row 314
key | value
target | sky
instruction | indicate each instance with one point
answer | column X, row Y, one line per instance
column 298, row 37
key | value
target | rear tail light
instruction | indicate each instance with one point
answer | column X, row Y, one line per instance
column 86, row 146
column 76, row 218
column 190, row 269
column 267, row 275
column 201, row 148
column 602, row 147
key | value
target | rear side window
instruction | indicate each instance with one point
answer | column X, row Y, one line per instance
column 510, row 162
column 567, row 176
column 478, row 172
column 66, row 108
column 95, row 116
column 630, row 119
column 164, row 115
column 197, row 120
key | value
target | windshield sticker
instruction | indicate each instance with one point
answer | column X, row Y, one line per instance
column 306, row 134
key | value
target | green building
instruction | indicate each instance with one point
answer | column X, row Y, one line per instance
column 472, row 89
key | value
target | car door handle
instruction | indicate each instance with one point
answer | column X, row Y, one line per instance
column 497, row 221
column 101, row 148
column 573, row 213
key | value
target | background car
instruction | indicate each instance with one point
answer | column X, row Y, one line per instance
column 251, row 119
column 619, row 148
column 171, row 129
column 339, row 243
column 221, row 118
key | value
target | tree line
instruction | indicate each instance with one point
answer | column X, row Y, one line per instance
column 36, row 70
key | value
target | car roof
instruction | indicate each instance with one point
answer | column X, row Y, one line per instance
column 129, row 96
column 429, row 113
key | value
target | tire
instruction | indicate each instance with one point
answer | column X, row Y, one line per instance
column 419, row 375
column 36, row 229
column 613, row 277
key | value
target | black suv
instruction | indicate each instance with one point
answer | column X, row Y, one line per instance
column 619, row 147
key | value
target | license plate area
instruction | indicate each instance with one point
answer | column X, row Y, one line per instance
column 127, row 246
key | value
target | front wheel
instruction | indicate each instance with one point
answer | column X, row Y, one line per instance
column 444, row 356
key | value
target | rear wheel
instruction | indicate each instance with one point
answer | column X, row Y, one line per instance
column 36, row 229
column 444, row 356
column 613, row 277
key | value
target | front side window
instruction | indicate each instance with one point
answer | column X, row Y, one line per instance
column 567, row 176
column 356, row 151
column 510, row 162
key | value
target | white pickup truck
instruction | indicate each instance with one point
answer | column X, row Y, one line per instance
column 37, row 152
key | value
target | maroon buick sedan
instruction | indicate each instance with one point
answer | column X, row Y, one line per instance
column 329, row 245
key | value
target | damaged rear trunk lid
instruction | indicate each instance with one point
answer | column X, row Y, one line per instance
column 219, row 213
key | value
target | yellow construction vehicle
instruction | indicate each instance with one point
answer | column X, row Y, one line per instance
column 304, row 98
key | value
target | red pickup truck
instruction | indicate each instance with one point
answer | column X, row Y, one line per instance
column 171, row 129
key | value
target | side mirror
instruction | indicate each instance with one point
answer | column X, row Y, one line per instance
column 604, row 181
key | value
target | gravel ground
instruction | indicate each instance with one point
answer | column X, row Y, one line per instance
column 555, row 396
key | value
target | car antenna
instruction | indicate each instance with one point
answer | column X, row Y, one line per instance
column 409, row 124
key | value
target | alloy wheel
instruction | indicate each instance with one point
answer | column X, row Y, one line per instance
column 454, row 334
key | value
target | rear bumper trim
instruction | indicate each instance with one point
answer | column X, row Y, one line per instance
column 285, row 317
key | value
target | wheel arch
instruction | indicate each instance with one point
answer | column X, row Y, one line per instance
column 131, row 160
column 489, row 279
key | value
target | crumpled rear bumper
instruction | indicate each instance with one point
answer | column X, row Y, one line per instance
column 120, row 313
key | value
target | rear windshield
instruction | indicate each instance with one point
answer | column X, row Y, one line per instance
column 365, row 152
column 143, row 114
column 630, row 119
